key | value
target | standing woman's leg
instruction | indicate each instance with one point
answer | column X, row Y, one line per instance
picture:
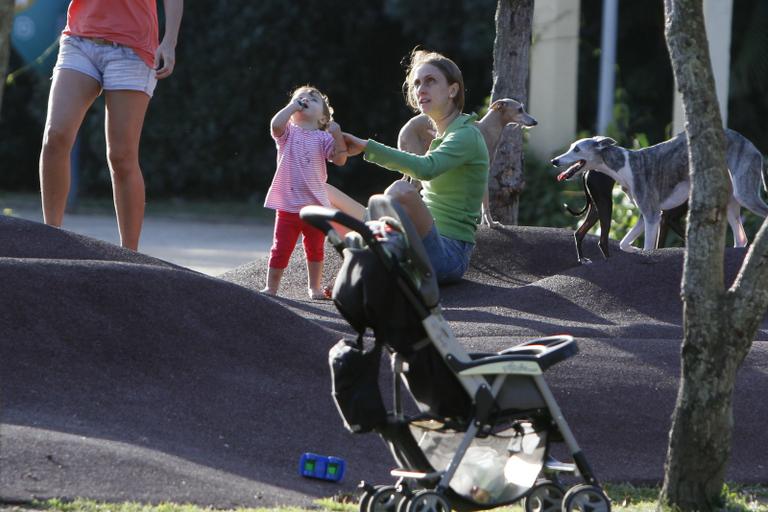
column 125, row 112
column 72, row 93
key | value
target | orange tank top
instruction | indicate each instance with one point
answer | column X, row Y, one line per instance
column 132, row 23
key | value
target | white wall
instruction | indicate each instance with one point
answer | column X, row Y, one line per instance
column 717, row 18
column 554, row 75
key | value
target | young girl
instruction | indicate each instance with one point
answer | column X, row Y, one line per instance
column 306, row 136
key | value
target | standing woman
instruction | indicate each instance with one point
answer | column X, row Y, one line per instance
column 454, row 172
column 110, row 46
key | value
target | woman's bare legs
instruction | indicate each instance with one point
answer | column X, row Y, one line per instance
column 409, row 198
column 401, row 191
column 343, row 202
column 72, row 93
column 346, row 204
column 124, row 119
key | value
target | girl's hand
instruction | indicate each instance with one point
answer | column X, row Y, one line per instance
column 333, row 127
column 355, row 145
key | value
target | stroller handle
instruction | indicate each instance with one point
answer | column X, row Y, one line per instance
column 321, row 218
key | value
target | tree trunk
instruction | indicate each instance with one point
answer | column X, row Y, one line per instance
column 717, row 330
column 7, row 9
column 511, row 51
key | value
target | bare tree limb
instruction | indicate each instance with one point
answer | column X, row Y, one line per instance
column 511, row 51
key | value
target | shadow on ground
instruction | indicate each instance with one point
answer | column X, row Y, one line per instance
column 128, row 378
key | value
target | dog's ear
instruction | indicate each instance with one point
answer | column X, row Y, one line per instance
column 496, row 105
column 604, row 142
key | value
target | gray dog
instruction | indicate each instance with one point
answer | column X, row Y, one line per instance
column 656, row 178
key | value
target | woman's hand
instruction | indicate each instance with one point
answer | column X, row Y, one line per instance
column 165, row 59
column 355, row 145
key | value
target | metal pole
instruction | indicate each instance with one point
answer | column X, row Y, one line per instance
column 607, row 64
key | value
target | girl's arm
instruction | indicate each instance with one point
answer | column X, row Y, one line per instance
column 339, row 146
column 166, row 52
column 277, row 125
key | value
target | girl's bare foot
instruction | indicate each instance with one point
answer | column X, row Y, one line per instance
column 320, row 294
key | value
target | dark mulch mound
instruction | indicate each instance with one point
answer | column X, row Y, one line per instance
column 138, row 380
column 20, row 238
column 626, row 313
column 127, row 378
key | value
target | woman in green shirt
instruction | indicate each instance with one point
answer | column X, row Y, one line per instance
column 454, row 172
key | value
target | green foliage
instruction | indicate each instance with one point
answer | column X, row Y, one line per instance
column 207, row 130
column 21, row 130
column 643, row 71
column 748, row 103
column 207, row 133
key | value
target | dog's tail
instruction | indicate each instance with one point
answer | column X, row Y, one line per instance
column 574, row 212
column 586, row 197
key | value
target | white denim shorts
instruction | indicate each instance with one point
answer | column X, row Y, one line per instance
column 115, row 67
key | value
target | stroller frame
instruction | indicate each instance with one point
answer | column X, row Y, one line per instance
column 482, row 376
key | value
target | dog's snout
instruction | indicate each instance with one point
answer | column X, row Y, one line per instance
column 554, row 162
column 534, row 122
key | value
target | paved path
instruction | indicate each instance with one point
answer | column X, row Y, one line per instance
column 210, row 247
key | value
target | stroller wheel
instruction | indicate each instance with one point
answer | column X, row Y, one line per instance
column 385, row 498
column 365, row 498
column 545, row 496
column 583, row 498
column 426, row 501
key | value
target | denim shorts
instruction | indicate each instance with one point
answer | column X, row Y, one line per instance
column 449, row 257
column 115, row 67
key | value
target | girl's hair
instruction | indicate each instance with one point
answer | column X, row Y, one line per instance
column 447, row 67
column 314, row 91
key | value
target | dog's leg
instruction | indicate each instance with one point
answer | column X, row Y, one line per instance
column 661, row 238
column 746, row 168
column 626, row 242
column 605, row 229
column 670, row 219
column 651, row 227
column 600, row 189
column 580, row 233
column 734, row 220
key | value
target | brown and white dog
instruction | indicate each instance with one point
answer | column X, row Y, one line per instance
column 416, row 135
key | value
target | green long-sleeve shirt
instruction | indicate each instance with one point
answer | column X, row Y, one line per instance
column 454, row 173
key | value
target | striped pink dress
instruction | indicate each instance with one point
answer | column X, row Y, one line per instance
column 301, row 171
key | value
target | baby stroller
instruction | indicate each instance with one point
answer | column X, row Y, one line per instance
column 481, row 431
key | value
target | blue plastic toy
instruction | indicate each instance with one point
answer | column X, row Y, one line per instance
column 313, row 465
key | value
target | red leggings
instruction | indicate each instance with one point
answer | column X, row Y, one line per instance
column 287, row 228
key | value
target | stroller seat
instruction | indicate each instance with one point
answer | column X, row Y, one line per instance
column 481, row 436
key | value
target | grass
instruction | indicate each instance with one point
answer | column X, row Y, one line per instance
column 625, row 498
